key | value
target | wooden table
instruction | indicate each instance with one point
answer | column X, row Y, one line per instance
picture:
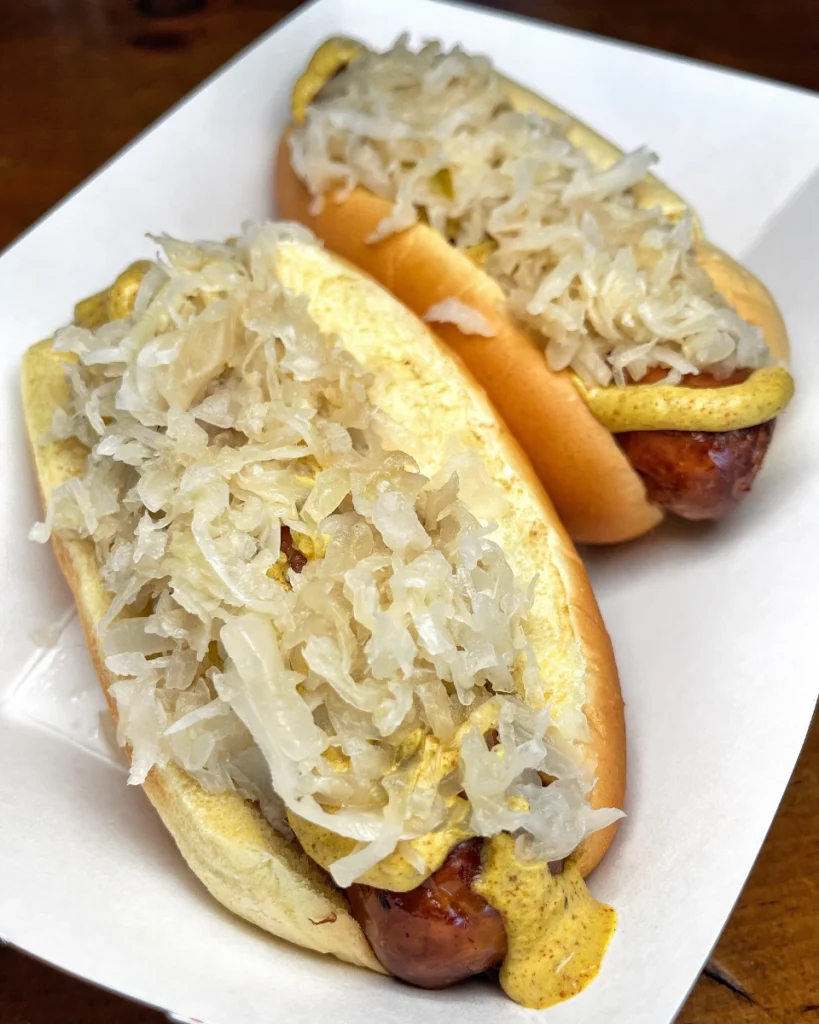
column 80, row 78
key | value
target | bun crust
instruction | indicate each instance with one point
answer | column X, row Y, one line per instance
column 599, row 496
column 248, row 867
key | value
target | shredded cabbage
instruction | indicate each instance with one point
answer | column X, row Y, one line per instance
column 611, row 288
column 466, row 318
column 216, row 416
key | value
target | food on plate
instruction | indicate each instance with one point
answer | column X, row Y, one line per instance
column 640, row 368
column 352, row 654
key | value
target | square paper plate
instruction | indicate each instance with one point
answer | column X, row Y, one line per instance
column 713, row 627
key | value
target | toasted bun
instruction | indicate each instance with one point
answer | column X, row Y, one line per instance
column 597, row 493
column 247, row 866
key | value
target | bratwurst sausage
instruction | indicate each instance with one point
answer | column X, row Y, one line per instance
column 698, row 474
column 438, row 933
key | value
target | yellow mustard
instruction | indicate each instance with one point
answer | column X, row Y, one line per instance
column 434, row 761
column 115, row 302
column 393, row 872
column 311, row 547
column 278, row 571
column 557, row 932
column 481, row 251
column 330, row 57
column 761, row 397
column 441, row 183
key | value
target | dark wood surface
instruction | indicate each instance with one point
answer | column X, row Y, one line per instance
column 80, row 78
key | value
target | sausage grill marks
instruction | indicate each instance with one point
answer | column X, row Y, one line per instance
column 698, row 474
column 438, row 933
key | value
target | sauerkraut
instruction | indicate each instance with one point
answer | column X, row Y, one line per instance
column 217, row 415
column 611, row 288
column 466, row 318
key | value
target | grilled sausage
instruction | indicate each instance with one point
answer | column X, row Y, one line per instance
column 698, row 474
column 438, row 933
column 295, row 559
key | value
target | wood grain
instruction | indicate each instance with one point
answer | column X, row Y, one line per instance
column 80, row 78
column 764, row 968
column 775, row 40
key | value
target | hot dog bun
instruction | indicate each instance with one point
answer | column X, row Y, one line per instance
column 248, row 867
column 599, row 496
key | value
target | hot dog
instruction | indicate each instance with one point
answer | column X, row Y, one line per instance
column 364, row 683
column 558, row 269
column 438, row 933
column 698, row 474
column 694, row 473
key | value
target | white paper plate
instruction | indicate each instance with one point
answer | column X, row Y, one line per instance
column 713, row 627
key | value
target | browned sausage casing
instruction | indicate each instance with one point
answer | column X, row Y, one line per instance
column 295, row 559
column 698, row 474
column 439, row 933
